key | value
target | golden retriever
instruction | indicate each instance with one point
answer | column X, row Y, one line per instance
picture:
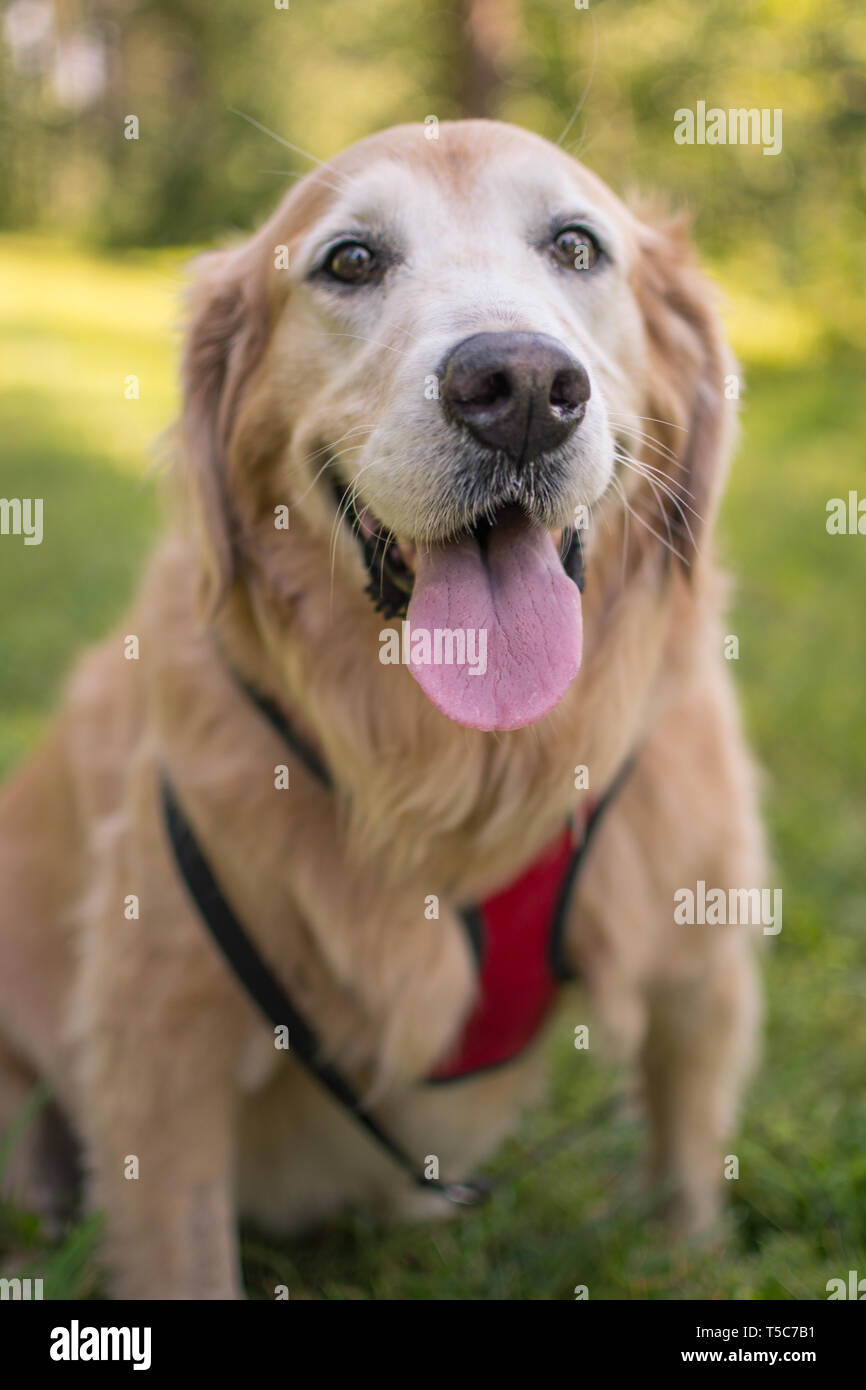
column 439, row 366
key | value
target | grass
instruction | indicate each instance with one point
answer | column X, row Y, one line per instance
column 75, row 327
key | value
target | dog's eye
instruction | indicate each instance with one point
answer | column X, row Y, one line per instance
column 352, row 263
column 577, row 248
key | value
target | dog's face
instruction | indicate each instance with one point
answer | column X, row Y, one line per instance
column 486, row 311
column 445, row 341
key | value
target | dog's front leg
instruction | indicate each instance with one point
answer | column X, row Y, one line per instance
column 156, row 1025
column 159, row 1160
column 697, row 1051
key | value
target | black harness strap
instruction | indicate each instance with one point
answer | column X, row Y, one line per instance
column 262, row 985
column 558, row 963
column 290, row 736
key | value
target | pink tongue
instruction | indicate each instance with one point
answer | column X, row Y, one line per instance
column 516, row 597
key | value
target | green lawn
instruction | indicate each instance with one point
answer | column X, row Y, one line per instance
column 75, row 328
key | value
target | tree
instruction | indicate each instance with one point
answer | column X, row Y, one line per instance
column 485, row 38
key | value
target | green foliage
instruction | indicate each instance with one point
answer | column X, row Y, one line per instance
column 322, row 75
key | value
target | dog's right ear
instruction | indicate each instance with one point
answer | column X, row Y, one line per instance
column 228, row 330
column 687, row 407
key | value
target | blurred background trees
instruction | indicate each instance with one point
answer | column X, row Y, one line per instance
column 322, row 73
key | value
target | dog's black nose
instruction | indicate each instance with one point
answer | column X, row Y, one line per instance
column 521, row 393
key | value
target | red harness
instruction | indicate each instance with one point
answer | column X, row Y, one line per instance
column 519, row 975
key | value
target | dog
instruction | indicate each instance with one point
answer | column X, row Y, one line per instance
column 447, row 385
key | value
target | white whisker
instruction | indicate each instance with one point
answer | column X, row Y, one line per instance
column 659, row 448
column 654, row 477
column 661, row 476
column 372, row 341
column 585, row 93
column 643, row 522
column 301, row 174
column 349, row 500
column 635, row 467
column 648, row 420
column 296, row 149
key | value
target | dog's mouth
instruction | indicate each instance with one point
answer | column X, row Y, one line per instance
column 392, row 562
column 494, row 618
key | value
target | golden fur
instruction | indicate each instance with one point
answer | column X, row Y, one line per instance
column 149, row 1045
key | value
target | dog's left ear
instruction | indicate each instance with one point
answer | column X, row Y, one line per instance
column 692, row 378
column 226, row 336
